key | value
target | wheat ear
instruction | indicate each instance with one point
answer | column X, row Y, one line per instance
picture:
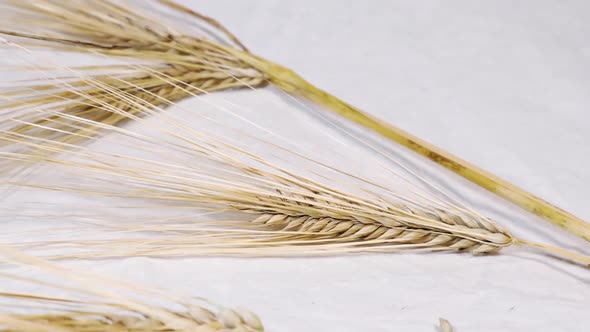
column 93, row 303
column 90, row 302
column 198, row 66
column 286, row 212
column 119, row 30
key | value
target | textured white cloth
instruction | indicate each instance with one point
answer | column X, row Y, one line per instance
column 502, row 84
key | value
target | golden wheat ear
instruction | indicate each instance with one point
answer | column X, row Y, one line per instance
column 202, row 60
column 89, row 302
column 93, row 303
column 102, row 27
column 190, row 166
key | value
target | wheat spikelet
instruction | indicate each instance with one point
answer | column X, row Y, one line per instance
column 371, row 232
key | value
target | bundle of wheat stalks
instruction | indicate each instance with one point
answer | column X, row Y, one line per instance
column 212, row 180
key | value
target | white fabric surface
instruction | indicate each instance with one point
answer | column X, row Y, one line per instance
column 502, row 84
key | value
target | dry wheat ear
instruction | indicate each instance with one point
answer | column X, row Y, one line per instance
column 166, row 40
column 109, row 28
column 279, row 209
column 222, row 196
column 59, row 299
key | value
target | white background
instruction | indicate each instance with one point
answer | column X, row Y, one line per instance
column 502, row 84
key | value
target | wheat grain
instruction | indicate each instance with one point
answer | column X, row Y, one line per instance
column 445, row 325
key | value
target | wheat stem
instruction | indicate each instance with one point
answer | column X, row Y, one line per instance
column 582, row 259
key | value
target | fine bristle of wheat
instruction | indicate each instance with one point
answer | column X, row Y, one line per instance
column 88, row 104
